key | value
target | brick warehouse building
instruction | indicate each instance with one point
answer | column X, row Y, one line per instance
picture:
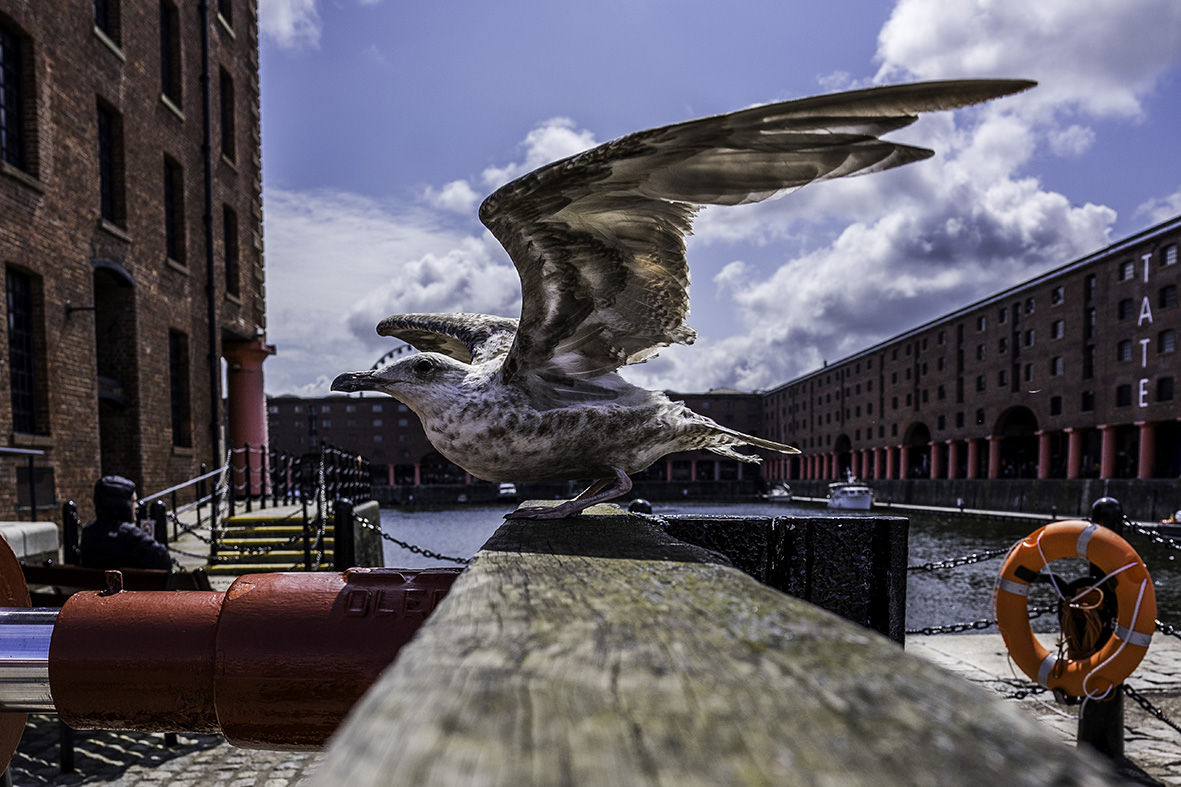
column 1069, row 375
column 131, row 249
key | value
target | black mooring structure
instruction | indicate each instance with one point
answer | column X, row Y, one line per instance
column 853, row 566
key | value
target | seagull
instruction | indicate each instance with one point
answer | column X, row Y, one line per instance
column 598, row 240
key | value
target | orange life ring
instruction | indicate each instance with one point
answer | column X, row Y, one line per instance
column 1095, row 675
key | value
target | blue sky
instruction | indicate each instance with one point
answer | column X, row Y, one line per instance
column 385, row 123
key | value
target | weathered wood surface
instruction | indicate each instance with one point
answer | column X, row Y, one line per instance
column 599, row 651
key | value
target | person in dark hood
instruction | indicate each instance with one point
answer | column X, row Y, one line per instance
column 113, row 540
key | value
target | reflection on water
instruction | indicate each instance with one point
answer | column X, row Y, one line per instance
column 955, row 595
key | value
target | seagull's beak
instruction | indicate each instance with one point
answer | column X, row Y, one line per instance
column 355, row 381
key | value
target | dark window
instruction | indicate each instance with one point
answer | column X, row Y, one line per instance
column 225, row 9
column 170, row 77
column 1089, row 362
column 12, row 108
column 230, row 236
column 1125, row 309
column 1168, row 296
column 1123, row 396
column 226, row 94
column 1166, row 341
column 1088, row 402
column 174, row 212
column 178, row 378
column 1055, row 405
column 1089, row 324
column 106, row 18
column 22, row 351
column 1089, row 289
column 110, row 165
column 1123, row 351
column 1057, row 295
column 1126, row 270
column 1164, row 389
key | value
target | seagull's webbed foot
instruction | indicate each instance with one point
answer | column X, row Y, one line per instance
column 600, row 491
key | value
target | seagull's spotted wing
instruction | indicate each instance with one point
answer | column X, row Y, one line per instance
column 471, row 338
column 598, row 238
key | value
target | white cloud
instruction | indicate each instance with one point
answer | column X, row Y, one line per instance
column 471, row 277
column 1162, row 208
column 554, row 139
column 292, row 24
column 330, row 255
column 859, row 260
column 1098, row 56
column 920, row 241
column 457, row 197
column 296, row 25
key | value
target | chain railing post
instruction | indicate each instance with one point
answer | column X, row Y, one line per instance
column 344, row 548
column 201, row 491
column 159, row 515
column 71, row 529
column 213, row 528
column 1101, row 722
column 307, row 536
column 247, row 476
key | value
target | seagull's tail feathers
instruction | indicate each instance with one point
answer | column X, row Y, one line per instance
column 726, row 449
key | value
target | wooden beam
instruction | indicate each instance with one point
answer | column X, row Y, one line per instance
column 598, row 650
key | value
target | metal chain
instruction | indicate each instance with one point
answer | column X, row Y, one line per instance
column 1165, row 628
column 1152, row 535
column 1026, row 691
column 1151, row 709
column 977, row 625
column 977, row 557
column 365, row 523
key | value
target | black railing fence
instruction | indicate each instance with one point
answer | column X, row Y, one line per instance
column 251, row 477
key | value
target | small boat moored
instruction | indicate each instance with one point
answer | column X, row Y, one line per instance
column 850, row 494
column 779, row 493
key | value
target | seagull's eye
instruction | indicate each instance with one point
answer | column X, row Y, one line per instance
column 423, row 366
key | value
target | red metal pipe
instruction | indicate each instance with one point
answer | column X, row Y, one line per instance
column 276, row 661
column 138, row 660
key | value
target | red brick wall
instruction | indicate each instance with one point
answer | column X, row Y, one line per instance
column 50, row 226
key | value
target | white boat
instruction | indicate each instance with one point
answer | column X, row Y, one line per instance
column 780, row 493
column 850, row 494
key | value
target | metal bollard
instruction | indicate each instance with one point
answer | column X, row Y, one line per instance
column 1101, row 724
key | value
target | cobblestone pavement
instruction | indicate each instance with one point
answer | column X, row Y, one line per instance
column 140, row 759
column 1149, row 743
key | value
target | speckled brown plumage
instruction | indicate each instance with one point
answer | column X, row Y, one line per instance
column 598, row 240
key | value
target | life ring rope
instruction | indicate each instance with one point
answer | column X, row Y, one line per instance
column 1123, row 643
column 1135, row 598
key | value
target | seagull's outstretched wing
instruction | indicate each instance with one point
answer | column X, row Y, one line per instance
column 471, row 338
column 598, row 238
